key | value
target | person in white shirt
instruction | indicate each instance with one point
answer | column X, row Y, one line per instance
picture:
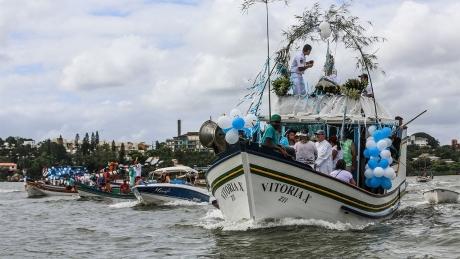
column 324, row 161
column 298, row 67
column 365, row 80
column 342, row 174
column 305, row 150
column 337, row 152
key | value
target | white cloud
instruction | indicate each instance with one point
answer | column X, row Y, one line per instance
column 126, row 61
column 131, row 76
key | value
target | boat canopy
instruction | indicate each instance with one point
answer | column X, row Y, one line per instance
column 330, row 109
column 181, row 169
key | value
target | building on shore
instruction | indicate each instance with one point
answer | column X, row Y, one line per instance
column 189, row 141
column 418, row 141
column 455, row 144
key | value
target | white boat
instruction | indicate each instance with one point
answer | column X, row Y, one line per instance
column 39, row 189
column 252, row 182
column 441, row 196
column 179, row 188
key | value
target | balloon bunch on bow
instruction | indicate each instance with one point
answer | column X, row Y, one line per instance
column 378, row 170
column 235, row 122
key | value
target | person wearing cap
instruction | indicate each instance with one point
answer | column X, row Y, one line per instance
column 305, row 150
column 272, row 135
column 365, row 80
column 324, row 160
column 298, row 67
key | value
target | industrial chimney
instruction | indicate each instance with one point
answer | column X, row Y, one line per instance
column 178, row 128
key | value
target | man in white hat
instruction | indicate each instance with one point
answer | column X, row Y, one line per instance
column 324, row 161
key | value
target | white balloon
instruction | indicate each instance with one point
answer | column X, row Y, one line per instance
column 224, row 122
column 325, row 30
column 385, row 154
column 371, row 129
column 232, row 136
column 382, row 144
column 389, row 142
column 368, row 173
column 378, row 172
column 389, row 173
column 235, row 113
column 250, row 120
column 371, row 144
column 370, row 139
column 390, row 160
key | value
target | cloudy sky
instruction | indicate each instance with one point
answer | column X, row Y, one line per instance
column 131, row 68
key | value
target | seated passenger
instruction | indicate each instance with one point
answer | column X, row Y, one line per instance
column 164, row 178
column 124, row 187
column 342, row 174
column 271, row 137
column 305, row 150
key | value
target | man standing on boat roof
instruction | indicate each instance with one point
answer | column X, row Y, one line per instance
column 365, row 80
column 298, row 67
column 324, row 161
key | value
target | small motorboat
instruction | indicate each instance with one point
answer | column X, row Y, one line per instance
column 425, row 177
column 441, row 196
column 182, row 186
column 40, row 189
column 88, row 191
column 160, row 193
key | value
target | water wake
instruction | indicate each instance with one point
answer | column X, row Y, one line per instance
column 215, row 220
column 9, row 191
column 124, row 204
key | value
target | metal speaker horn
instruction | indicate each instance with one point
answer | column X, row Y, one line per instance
column 212, row 136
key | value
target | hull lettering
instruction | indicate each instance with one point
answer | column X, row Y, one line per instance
column 230, row 188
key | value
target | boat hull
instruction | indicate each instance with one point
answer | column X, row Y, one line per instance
column 39, row 190
column 441, row 196
column 160, row 193
column 250, row 184
column 87, row 191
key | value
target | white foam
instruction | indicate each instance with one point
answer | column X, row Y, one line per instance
column 124, row 204
column 9, row 191
column 215, row 220
column 185, row 203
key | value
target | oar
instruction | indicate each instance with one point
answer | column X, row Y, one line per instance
column 405, row 124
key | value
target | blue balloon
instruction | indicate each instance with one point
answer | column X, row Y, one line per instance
column 238, row 123
column 386, row 132
column 377, row 136
column 383, row 163
column 366, row 153
column 375, row 182
column 374, row 151
column 368, row 182
column 386, row 183
column 373, row 163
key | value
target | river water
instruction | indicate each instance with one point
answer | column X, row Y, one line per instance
column 72, row 228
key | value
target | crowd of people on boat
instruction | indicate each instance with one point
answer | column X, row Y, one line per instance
column 328, row 156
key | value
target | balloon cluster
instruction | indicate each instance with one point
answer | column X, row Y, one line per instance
column 378, row 170
column 64, row 171
column 235, row 122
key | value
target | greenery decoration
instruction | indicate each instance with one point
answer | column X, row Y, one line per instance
column 353, row 88
column 345, row 28
column 281, row 85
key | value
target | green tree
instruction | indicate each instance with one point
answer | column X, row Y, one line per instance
column 122, row 153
